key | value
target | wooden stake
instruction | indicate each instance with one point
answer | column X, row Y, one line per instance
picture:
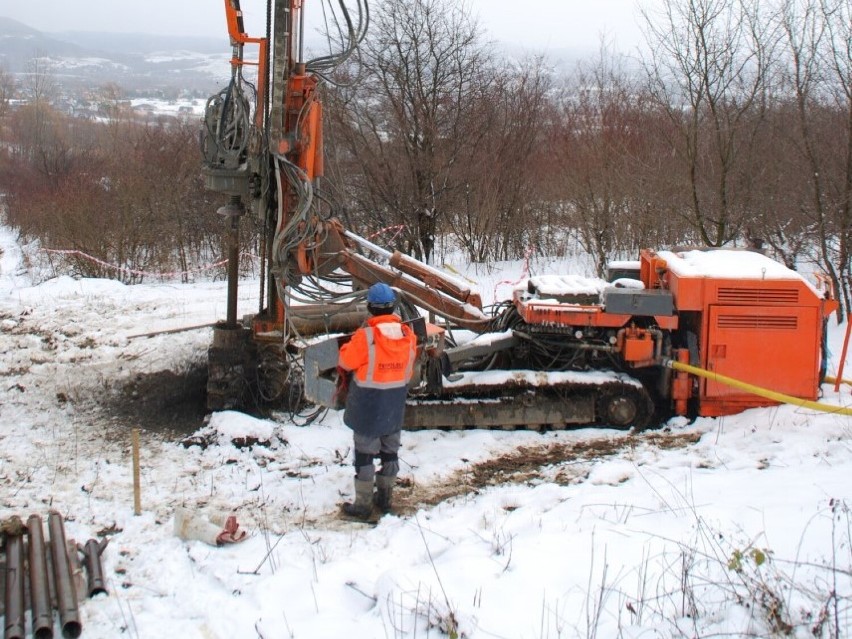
column 839, row 379
column 137, row 493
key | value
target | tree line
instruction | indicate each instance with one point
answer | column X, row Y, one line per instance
column 735, row 128
column 123, row 198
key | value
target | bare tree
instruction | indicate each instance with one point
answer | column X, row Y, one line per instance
column 143, row 210
column 610, row 168
column 36, row 127
column 592, row 150
column 707, row 70
column 38, row 85
column 814, row 136
column 497, row 209
column 838, row 18
column 405, row 119
column 7, row 90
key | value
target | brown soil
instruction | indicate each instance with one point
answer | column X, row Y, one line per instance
column 164, row 401
column 526, row 464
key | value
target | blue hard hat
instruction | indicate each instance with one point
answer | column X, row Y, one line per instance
column 381, row 295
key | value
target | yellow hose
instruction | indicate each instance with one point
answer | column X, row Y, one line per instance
column 757, row 390
column 830, row 380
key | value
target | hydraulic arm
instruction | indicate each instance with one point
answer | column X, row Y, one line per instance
column 263, row 146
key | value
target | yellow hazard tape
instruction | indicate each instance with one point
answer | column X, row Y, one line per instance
column 454, row 271
column 757, row 390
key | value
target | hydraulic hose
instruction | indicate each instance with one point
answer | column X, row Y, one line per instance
column 829, row 379
column 757, row 390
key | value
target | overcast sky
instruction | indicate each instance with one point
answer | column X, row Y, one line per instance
column 538, row 24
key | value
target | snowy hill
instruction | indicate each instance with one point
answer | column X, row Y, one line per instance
column 729, row 527
column 83, row 60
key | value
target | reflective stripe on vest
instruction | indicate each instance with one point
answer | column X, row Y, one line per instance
column 369, row 381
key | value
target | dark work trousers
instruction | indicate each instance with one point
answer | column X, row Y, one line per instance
column 367, row 448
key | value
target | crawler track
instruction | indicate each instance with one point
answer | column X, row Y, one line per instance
column 521, row 406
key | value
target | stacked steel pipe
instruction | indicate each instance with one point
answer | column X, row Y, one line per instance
column 15, row 607
column 42, row 617
column 32, row 562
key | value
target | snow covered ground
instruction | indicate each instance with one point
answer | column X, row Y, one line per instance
column 723, row 527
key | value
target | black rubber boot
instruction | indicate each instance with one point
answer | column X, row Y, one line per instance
column 384, row 492
column 362, row 507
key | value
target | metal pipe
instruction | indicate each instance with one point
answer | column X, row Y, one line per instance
column 66, row 592
column 301, row 35
column 435, row 277
column 658, row 348
column 233, row 271
column 367, row 244
column 233, row 210
column 340, row 322
column 843, row 353
column 42, row 611
column 92, row 551
column 262, row 279
column 15, row 608
column 603, row 348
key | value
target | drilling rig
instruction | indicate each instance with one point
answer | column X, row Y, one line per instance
column 563, row 351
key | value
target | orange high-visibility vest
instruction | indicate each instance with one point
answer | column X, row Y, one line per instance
column 381, row 354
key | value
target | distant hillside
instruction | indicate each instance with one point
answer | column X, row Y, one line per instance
column 19, row 43
column 143, row 43
column 144, row 62
column 133, row 61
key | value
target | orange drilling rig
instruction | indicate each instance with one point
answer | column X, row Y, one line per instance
column 659, row 338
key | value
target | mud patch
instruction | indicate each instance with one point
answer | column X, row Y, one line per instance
column 165, row 401
column 530, row 463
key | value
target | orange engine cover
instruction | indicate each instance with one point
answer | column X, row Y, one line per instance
column 771, row 347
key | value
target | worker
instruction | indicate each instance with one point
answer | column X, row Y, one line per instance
column 380, row 357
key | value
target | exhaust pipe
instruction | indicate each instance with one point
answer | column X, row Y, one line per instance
column 42, row 611
column 66, row 593
column 92, row 551
column 14, row 600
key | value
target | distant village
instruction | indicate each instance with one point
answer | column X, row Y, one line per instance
column 87, row 82
column 110, row 102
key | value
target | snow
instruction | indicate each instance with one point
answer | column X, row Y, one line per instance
column 231, row 426
column 537, row 378
column 628, row 282
column 597, row 538
column 486, row 339
column 567, row 284
column 731, row 264
column 722, row 263
column 624, row 264
column 168, row 57
column 72, row 64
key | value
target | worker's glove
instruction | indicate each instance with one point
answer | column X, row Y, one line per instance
column 231, row 532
